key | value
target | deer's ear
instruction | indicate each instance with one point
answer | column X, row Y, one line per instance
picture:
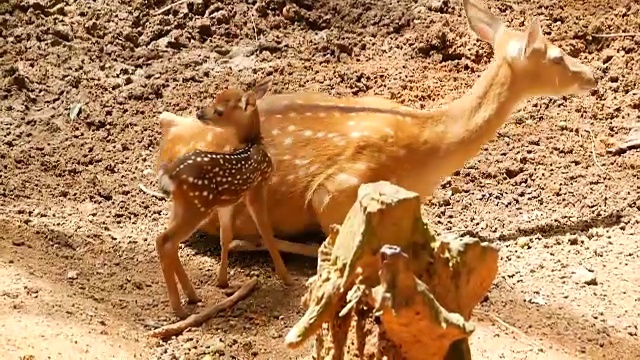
column 534, row 37
column 483, row 23
column 262, row 87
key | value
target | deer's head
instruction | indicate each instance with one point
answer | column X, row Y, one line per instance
column 237, row 109
column 539, row 66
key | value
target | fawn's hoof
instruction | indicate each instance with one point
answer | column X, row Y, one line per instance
column 181, row 313
column 287, row 280
column 222, row 284
column 194, row 299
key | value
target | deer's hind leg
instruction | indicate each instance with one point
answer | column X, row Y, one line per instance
column 333, row 198
column 248, row 238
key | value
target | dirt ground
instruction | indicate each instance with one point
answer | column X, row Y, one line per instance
column 79, row 276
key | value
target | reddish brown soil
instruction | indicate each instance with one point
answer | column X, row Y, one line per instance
column 79, row 276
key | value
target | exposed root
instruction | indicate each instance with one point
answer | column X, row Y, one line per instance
column 200, row 318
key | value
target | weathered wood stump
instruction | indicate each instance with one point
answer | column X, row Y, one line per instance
column 383, row 273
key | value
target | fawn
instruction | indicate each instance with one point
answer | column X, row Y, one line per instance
column 324, row 148
column 201, row 182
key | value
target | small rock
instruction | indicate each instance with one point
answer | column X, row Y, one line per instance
column 198, row 7
column 584, row 276
column 62, row 33
column 513, row 171
column 439, row 6
column 17, row 242
column 290, row 12
column 189, row 345
column 215, row 346
column 204, row 28
column 562, row 125
column 573, row 239
column 608, row 55
column 72, row 275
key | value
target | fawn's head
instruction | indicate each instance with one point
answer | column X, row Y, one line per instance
column 237, row 109
column 539, row 66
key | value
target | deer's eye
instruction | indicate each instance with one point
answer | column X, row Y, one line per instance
column 218, row 111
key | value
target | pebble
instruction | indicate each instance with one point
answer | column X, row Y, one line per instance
column 584, row 276
column 215, row 346
column 72, row 275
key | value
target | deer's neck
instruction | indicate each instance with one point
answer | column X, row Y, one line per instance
column 452, row 135
column 472, row 120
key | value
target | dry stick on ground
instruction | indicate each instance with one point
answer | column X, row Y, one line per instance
column 509, row 327
column 614, row 35
column 593, row 152
column 200, row 318
column 168, row 7
column 253, row 22
column 151, row 192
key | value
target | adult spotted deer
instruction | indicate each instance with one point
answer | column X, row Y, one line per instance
column 202, row 182
column 324, row 148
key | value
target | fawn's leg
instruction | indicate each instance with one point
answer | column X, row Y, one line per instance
column 180, row 228
column 256, row 204
column 183, row 278
column 225, row 215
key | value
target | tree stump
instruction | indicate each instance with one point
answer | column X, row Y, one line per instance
column 405, row 294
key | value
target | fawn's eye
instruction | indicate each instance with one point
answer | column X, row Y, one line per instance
column 218, row 111
column 555, row 55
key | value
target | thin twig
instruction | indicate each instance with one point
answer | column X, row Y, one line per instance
column 151, row 192
column 510, row 327
column 209, row 312
column 169, row 7
column 615, row 35
column 624, row 147
column 593, row 152
column 255, row 31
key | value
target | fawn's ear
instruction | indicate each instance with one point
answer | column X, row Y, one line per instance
column 262, row 87
column 248, row 101
column 483, row 23
column 535, row 37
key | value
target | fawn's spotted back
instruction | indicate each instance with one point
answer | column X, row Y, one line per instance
column 212, row 179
